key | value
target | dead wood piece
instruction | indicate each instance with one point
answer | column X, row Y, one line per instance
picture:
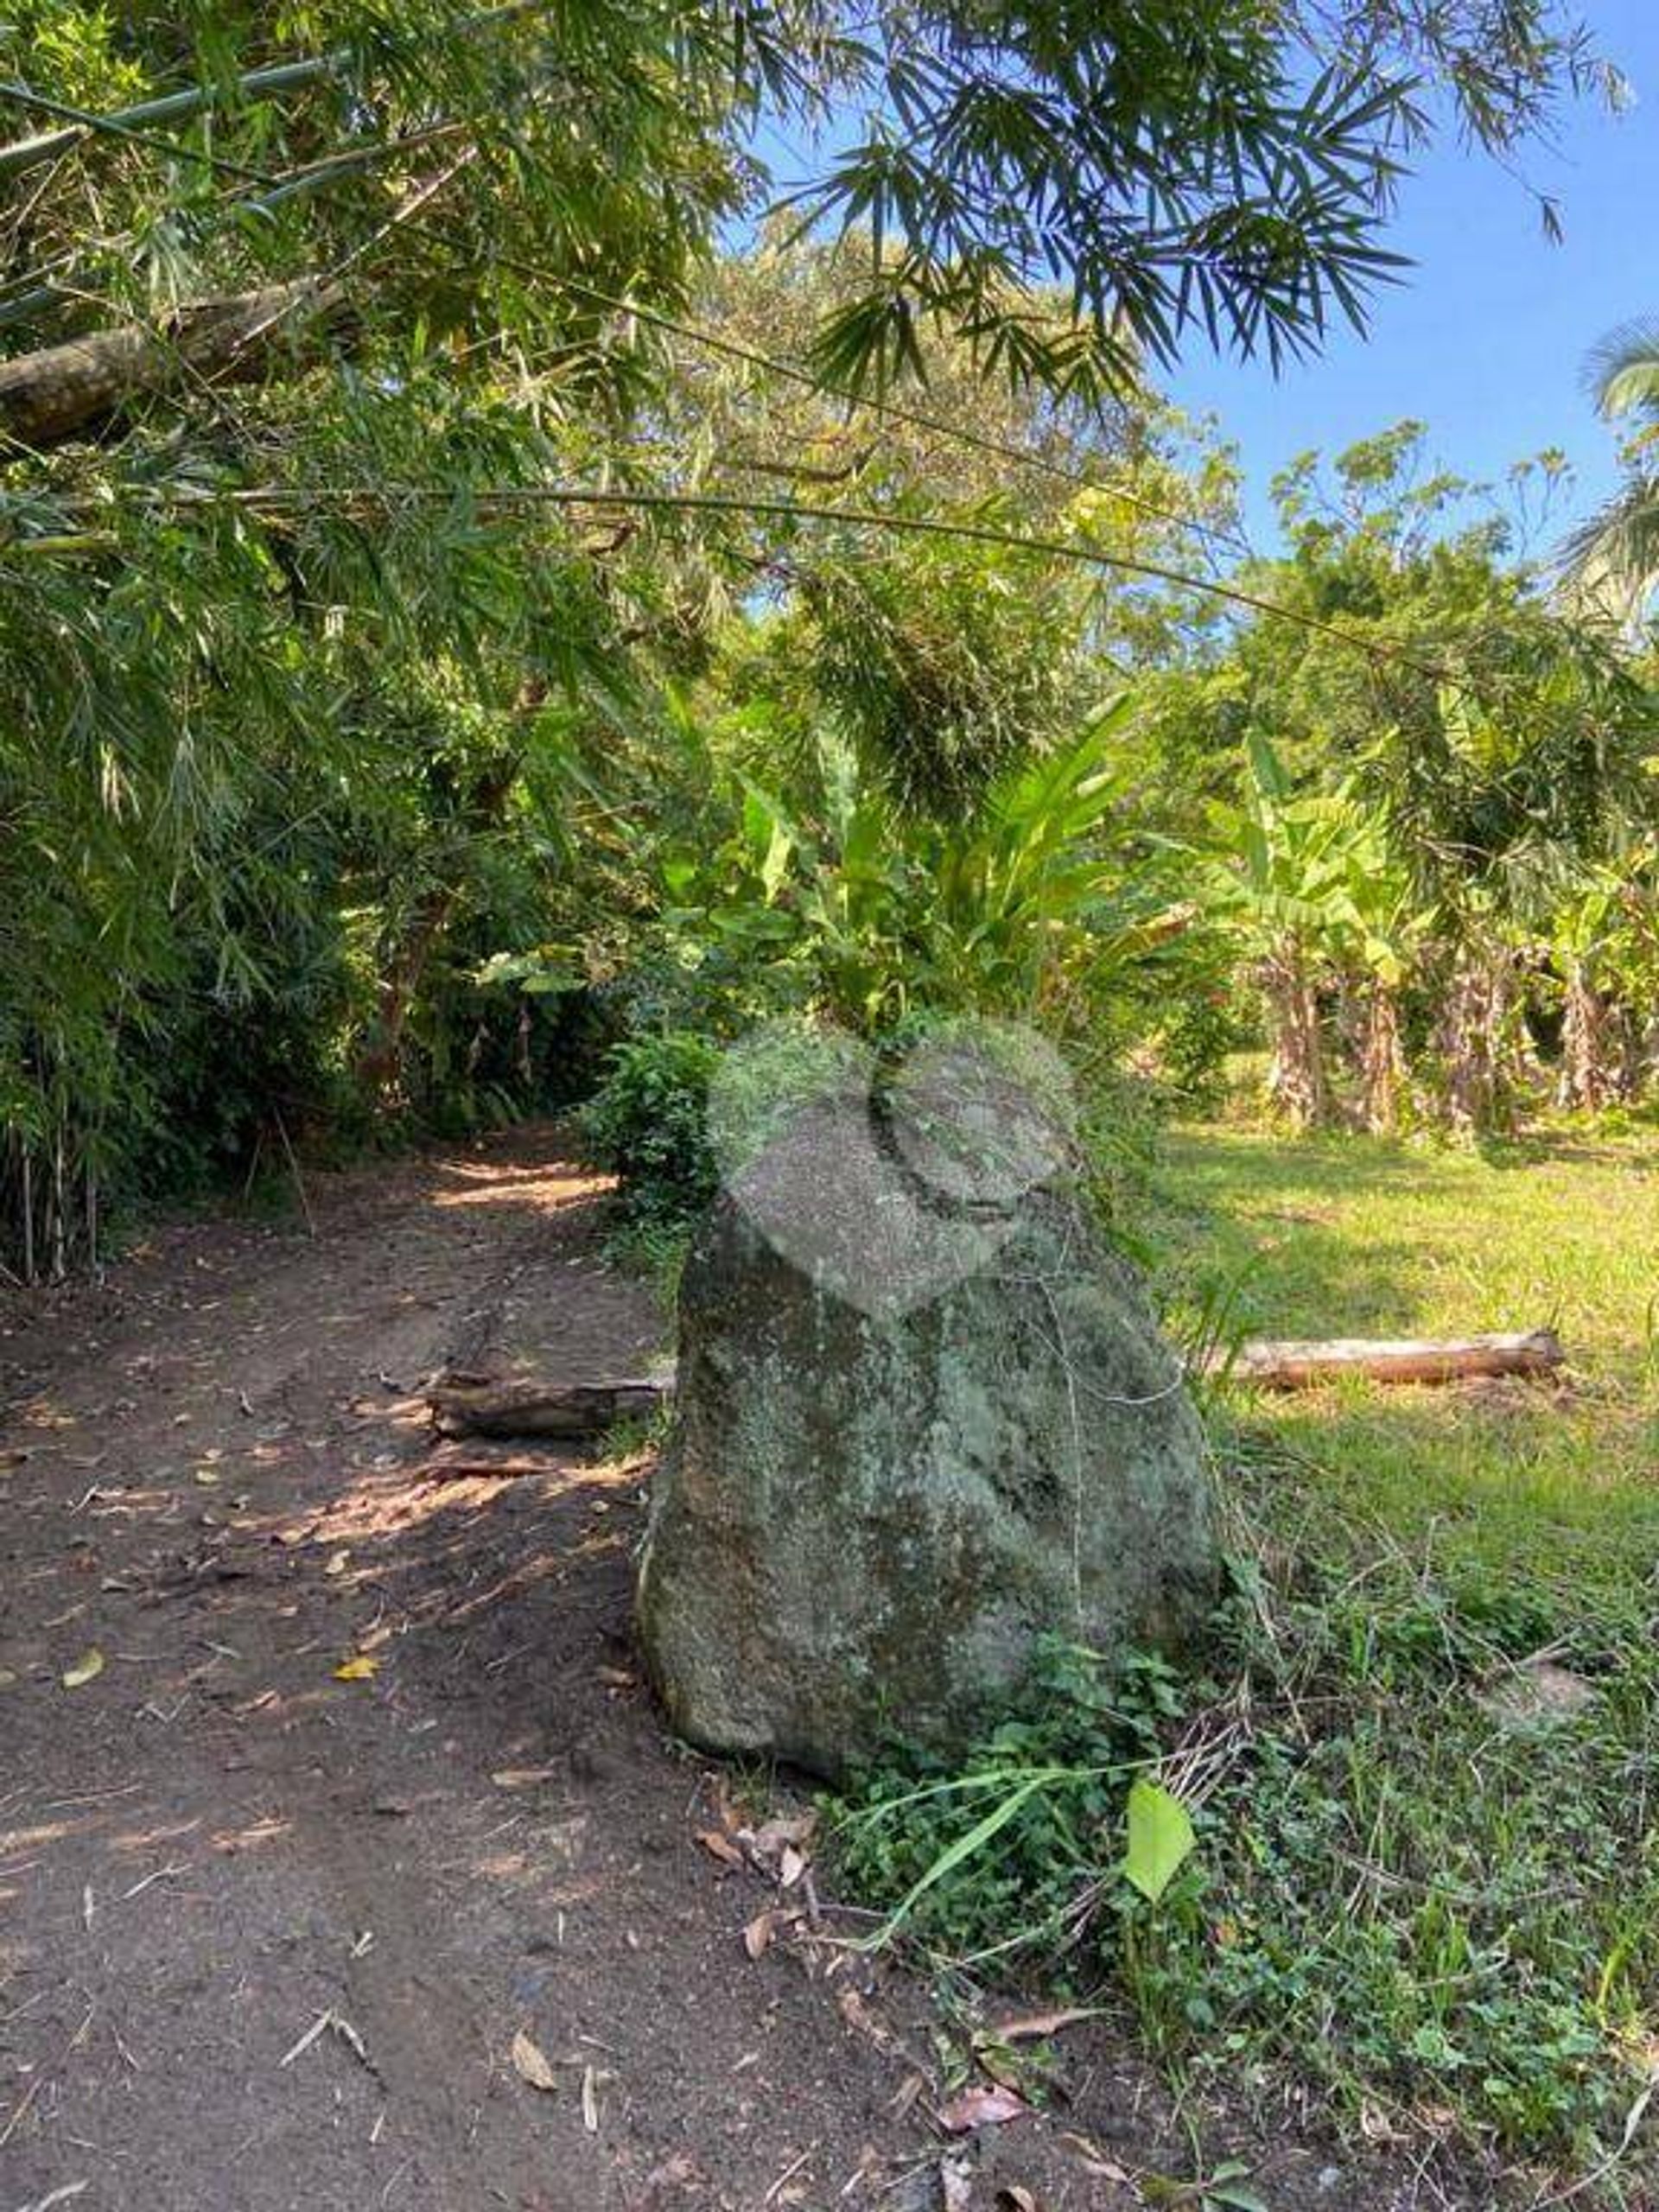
column 61, row 391
column 1302, row 1365
column 526, row 1407
column 445, row 1467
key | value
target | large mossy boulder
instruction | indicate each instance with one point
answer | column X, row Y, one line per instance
column 906, row 1447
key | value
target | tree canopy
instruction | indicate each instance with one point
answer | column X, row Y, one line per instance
column 360, row 494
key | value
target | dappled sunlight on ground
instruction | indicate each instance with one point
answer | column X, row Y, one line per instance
column 544, row 1189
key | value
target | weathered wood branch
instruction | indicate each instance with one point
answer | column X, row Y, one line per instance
column 57, row 392
column 448, row 1465
column 1301, row 1366
column 526, row 1407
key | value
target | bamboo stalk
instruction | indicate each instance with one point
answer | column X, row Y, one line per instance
column 192, row 100
column 59, row 1227
column 26, row 1177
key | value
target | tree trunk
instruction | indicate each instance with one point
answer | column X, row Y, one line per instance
column 1634, row 1048
column 378, row 1060
column 1381, row 1062
column 1303, row 1366
column 521, row 1405
column 1470, row 1038
column 1297, row 1083
column 61, row 391
column 1589, row 1045
column 26, row 1182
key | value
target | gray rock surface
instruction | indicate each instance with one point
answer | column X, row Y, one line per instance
column 908, row 1441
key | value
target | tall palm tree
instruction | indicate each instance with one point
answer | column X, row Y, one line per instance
column 1614, row 560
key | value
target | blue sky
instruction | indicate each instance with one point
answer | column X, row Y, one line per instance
column 1485, row 340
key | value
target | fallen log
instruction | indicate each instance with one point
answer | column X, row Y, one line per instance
column 443, row 1467
column 1299, row 1366
column 524, row 1406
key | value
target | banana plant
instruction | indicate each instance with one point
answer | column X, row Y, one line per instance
column 1024, row 907
column 1603, row 945
column 1305, row 882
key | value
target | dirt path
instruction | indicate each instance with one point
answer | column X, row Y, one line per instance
column 266, row 1935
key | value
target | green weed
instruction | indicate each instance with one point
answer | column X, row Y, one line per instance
column 1403, row 1890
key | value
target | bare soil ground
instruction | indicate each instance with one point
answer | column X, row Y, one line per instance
column 267, row 1935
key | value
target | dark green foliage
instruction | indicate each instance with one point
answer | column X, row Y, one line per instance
column 648, row 1124
column 1088, row 1725
column 1468, row 1907
column 1015, row 145
column 304, row 680
column 1410, row 1886
column 947, row 672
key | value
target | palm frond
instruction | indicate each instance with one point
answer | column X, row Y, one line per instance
column 1622, row 372
column 1611, row 562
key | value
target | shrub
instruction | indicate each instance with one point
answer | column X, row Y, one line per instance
column 648, row 1124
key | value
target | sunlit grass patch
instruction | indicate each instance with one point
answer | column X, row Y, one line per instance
column 1555, row 1487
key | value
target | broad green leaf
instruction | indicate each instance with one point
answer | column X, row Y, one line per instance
column 1160, row 1839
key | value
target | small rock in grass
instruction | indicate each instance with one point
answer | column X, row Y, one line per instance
column 1537, row 1694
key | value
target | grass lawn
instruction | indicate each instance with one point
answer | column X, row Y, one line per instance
column 1427, row 1881
column 1555, row 1497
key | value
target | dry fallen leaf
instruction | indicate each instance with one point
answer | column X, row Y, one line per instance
column 206, row 1476
column 590, row 2100
column 339, row 1563
column 791, row 1866
column 522, row 1777
column 1013, row 2196
column 86, row 1669
column 982, row 2107
column 360, row 1668
column 784, row 1827
column 757, row 1937
column 674, row 2174
column 862, row 2020
column 1097, row 2160
column 8, row 1680
column 909, row 2089
column 1377, row 2127
column 530, row 2064
column 720, row 1847
column 1030, row 2025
